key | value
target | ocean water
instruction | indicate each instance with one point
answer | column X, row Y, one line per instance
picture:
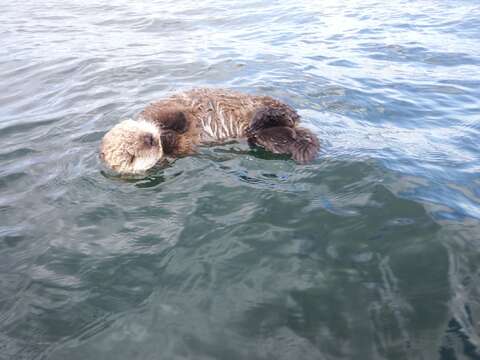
column 370, row 252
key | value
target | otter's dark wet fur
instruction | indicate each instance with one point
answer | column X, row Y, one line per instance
column 208, row 116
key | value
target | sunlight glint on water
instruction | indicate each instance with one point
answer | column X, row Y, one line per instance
column 370, row 252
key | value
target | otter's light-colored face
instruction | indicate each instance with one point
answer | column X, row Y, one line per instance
column 131, row 147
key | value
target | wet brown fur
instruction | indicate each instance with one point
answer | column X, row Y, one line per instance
column 215, row 104
column 207, row 116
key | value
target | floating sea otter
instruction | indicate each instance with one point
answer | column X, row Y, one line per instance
column 176, row 125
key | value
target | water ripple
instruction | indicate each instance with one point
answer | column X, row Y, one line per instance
column 369, row 252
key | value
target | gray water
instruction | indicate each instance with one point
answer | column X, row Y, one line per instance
column 370, row 252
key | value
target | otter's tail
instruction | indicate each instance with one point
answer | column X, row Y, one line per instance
column 299, row 142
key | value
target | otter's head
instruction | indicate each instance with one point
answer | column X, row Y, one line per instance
column 131, row 147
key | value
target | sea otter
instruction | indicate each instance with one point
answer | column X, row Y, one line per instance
column 176, row 125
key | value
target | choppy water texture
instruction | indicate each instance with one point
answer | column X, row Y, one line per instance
column 370, row 252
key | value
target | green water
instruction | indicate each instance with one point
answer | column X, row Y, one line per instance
column 369, row 252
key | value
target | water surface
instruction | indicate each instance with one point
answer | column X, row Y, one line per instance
column 370, row 252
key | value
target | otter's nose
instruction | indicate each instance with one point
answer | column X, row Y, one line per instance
column 149, row 140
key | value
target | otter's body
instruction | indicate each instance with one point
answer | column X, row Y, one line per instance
column 205, row 116
column 212, row 115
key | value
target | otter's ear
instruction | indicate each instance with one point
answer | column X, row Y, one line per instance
column 267, row 117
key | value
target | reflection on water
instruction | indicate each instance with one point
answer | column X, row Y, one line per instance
column 370, row 252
